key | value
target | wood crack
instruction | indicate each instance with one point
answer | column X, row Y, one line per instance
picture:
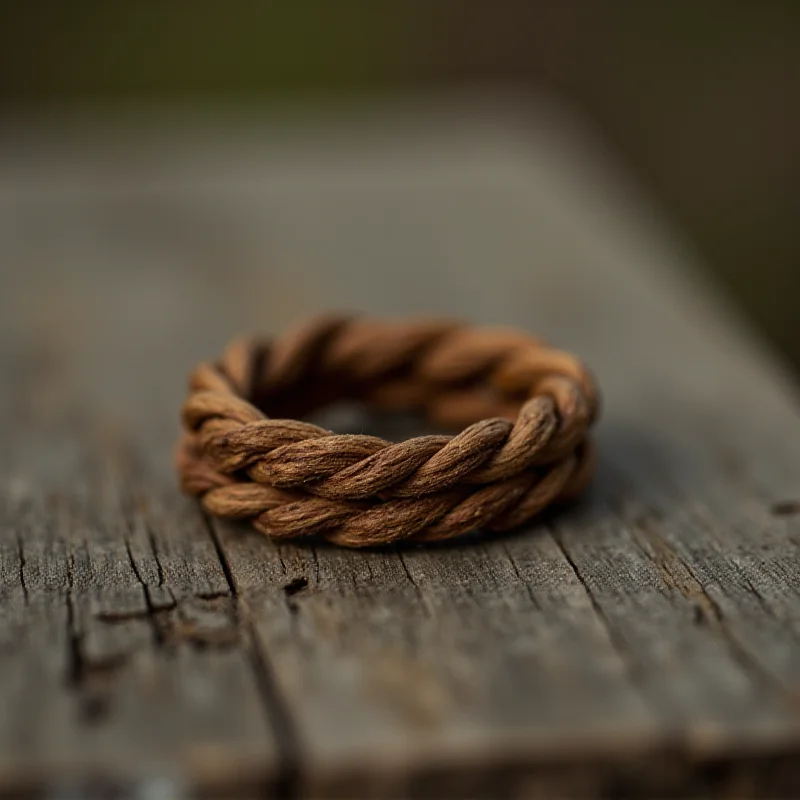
column 22, row 563
column 74, row 655
column 152, row 612
column 701, row 518
column 151, row 539
column 315, row 555
column 680, row 575
column 696, row 516
column 521, row 578
column 276, row 709
column 632, row 666
column 287, row 785
column 417, row 589
column 223, row 560
column 675, row 572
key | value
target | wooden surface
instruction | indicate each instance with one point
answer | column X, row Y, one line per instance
column 644, row 643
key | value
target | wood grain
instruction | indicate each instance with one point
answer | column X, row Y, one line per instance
column 644, row 643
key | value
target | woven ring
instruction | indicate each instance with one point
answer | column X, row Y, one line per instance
column 527, row 410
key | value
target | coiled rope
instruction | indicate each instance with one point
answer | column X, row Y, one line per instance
column 527, row 409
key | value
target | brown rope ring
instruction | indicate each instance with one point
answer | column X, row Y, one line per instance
column 527, row 410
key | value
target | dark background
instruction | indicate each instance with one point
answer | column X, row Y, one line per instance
column 699, row 99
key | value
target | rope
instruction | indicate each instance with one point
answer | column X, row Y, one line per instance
column 247, row 456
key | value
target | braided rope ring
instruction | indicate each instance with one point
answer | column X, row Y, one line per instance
column 528, row 410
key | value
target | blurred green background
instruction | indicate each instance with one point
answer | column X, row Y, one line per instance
column 702, row 100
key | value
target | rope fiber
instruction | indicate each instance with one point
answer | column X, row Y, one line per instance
column 525, row 409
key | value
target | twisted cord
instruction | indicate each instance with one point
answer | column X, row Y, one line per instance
column 529, row 448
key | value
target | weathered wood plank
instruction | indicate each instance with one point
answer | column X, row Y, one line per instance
column 119, row 629
column 645, row 642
